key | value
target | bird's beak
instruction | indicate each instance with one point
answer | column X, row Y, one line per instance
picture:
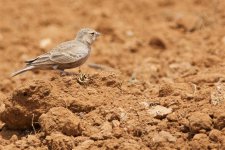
column 98, row 34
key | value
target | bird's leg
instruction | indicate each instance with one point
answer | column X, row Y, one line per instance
column 79, row 70
column 63, row 73
column 81, row 75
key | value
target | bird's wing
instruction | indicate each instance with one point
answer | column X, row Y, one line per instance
column 40, row 60
column 69, row 52
column 65, row 57
column 65, row 46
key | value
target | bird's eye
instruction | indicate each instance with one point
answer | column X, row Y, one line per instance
column 92, row 33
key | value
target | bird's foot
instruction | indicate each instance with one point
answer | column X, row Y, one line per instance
column 65, row 73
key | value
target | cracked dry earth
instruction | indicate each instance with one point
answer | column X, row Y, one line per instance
column 160, row 84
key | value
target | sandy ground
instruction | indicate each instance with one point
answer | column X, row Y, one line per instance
column 160, row 84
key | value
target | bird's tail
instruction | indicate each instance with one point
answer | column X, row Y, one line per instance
column 22, row 70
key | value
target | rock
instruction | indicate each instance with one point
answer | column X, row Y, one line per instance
column 89, row 129
column 130, row 145
column 200, row 141
column 184, row 125
column 188, row 23
column 185, row 90
column 105, row 132
column 172, row 117
column 162, row 124
column 14, row 138
column 115, row 123
column 123, row 116
column 219, row 120
column 117, row 132
column 31, row 142
column 80, row 139
column 28, row 102
column 106, row 127
column 145, row 104
column 116, row 114
column 59, row 141
column 78, row 106
column 62, row 120
column 113, row 144
column 215, row 135
column 217, row 95
column 157, row 43
column 159, row 112
column 199, row 121
column 165, row 90
column 97, row 136
column 199, row 136
column 84, row 145
column 163, row 136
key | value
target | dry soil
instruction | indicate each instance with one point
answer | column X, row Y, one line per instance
column 159, row 81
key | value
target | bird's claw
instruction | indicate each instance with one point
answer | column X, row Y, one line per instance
column 64, row 73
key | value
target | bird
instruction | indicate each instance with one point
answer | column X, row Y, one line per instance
column 67, row 55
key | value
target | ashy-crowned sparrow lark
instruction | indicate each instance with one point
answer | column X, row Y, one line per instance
column 70, row 54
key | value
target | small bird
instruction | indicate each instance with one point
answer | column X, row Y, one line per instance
column 67, row 55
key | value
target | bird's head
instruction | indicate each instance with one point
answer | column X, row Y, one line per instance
column 87, row 35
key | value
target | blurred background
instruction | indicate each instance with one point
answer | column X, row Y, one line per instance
column 139, row 37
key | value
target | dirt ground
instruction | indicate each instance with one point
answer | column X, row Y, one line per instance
column 160, row 82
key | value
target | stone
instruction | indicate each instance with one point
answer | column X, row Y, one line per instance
column 159, row 111
column 199, row 121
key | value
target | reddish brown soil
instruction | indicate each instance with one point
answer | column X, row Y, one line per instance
column 161, row 85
